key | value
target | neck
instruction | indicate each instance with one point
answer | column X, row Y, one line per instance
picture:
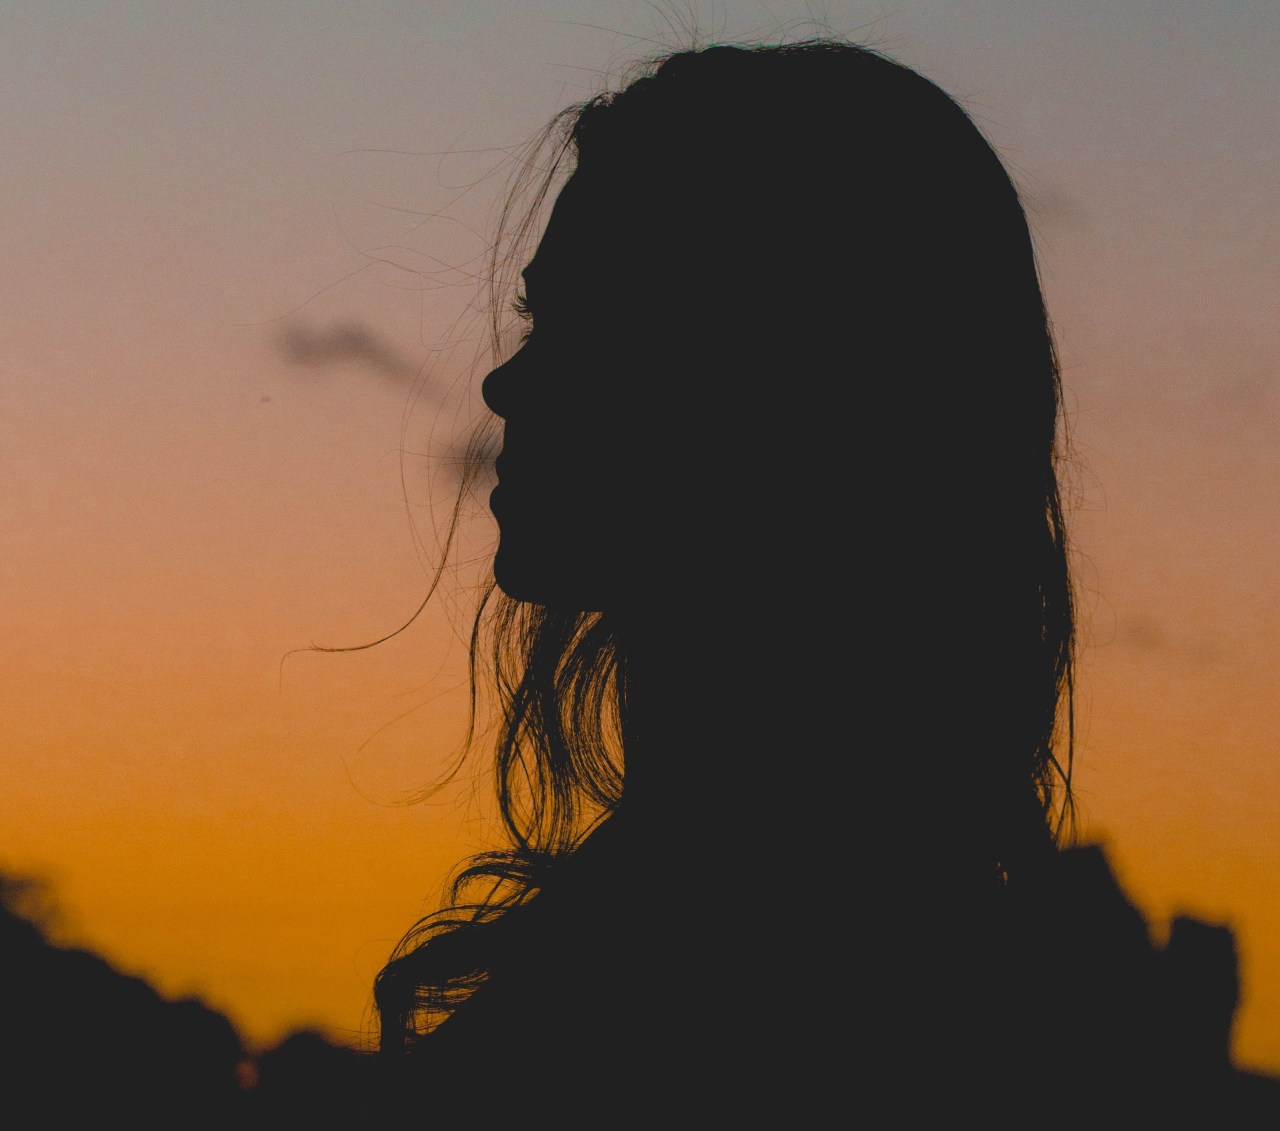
column 725, row 725
column 746, row 735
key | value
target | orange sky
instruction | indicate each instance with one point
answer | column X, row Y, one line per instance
column 189, row 493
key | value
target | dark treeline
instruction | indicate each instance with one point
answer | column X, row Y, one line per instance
column 84, row 1040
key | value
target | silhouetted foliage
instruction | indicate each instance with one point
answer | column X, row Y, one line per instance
column 308, row 1081
column 87, row 1045
column 86, row 1042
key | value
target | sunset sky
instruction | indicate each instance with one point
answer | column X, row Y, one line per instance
column 240, row 248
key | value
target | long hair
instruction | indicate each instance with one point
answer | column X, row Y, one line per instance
column 840, row 180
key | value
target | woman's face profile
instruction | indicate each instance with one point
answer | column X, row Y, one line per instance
column 577, row 407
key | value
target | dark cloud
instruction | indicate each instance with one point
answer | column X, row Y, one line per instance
column 1184, row 643
column 1144, row 634
column 1052, row 205
column 342, row 343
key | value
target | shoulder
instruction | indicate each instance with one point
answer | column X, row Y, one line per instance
column 556, row 965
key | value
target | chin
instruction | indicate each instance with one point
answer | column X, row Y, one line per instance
column 537, row 581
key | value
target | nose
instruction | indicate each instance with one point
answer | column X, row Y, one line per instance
column 497, row 387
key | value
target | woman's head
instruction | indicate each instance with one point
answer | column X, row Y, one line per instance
column 788, row 342
column 783, row 289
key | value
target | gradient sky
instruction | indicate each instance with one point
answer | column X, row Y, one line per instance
column 233, row 237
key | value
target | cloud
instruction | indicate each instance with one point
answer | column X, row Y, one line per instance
column 1144, row 633
column 1053, row 205
column 1186, row 643
column 342, row 343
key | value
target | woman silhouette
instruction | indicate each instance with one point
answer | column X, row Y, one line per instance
column 782, row 630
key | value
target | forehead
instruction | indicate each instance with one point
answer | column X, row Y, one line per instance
column 594, row 239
